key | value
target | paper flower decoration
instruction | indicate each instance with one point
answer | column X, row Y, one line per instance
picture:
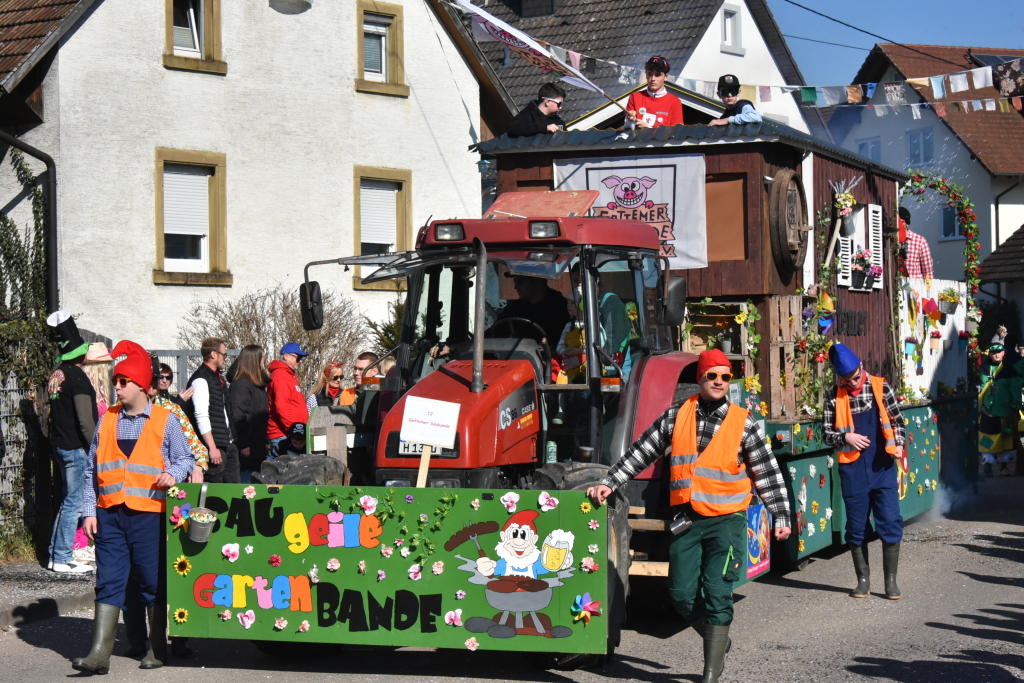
column 546, row 501
column 800, row 545
column 812, row 470
column 814, row 507
column 810, row 528
column 927, row 485
column 475, row 503
column 180, row 515
column 920, row 489
column 913, row 477
column 453, row 618
column 180, row 615
column 821, row 523
column 182, row 565
column 415, row 572
column 369, row 504
column 280, row 624
column 386, row 550
column 586, row 507
column 593, row 525
column 829, row 461
column 588, row 565
column 828, row 513
column 792, row 473
column 935, row 484
column 424, row 519
column 460, row 595
column 381, row 575
column 584, row 608
column 362, row 566
column 409, row 498
column 510, row 500
column 249, row 492
column 314, row 575
column 406, row 552
column 821, row 481
column 333, row 565
column 182, row 495
column 248, row 550
column 275, row 560
column 230, row 551
column 225, row 615
column 303, row 627
column 399, row 542
column 472, row 645
column 437, row 568
column 247, row 619
column 592, row 548
column 173, row 492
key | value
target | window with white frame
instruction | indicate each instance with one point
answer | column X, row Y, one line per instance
column 950, row 225
column 870, row 148
column 732, row 32
column 188, row 28
column 378, row 216
column 186, row 218
column 920, row 147
column 375, row 47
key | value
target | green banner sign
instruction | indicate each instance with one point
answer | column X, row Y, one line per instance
column 448, row 568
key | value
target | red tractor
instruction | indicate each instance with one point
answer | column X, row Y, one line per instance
column 481, row 328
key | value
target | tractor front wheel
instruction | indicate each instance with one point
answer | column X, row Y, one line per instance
column 301, row 470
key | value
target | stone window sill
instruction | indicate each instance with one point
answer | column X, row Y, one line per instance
column 163, row 277
column 396, row 89
column 210, row 66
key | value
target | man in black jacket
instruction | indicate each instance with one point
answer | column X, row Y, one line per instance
column 540, row 116
column 210, row 399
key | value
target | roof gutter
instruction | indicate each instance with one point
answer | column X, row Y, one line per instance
column 998, row 197
column 50, row 217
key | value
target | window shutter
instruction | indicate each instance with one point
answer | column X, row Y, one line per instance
column 843, row 277
column 378, row 212
column 874, row 230
column 186, row 199
column 372, row 53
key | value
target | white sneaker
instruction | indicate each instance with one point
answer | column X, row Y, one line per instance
column 71, row 568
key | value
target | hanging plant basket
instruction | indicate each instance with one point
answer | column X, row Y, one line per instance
column 933, row 343
column 948, row 307
column 971, row 327
column 962, row 343
column 910, row 348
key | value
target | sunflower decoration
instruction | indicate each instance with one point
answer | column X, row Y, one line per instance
column 585, row 507
column 182, row 565
column 180, row 615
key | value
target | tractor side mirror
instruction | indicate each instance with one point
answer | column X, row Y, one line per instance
column 674, row 312
column 312, row 304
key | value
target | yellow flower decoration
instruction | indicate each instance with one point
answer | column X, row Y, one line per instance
column 180, row 615
column 741, row 318
column 822, row 523
column 814, row 507
column 182, row 565
column 933, row 454
column 920, row 489
column 586, row 507
column 763, row 409
column 913, row 477
column 800, row 545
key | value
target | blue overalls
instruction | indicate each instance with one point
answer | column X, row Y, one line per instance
column 869, row 485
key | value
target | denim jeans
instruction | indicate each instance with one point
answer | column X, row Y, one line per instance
column 64, row 527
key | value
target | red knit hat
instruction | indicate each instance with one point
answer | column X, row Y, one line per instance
column 709, row 359
column 524, row 518
column 137, row 366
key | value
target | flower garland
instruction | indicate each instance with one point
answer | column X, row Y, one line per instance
column 920, row 182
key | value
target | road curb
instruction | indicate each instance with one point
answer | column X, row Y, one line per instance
column 44, row 608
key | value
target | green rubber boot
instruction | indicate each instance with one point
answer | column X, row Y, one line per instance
column 890, row 566
column 104, row 628
column 863, row 569
column 716, row 642
column 157, row 654
column 699, row 627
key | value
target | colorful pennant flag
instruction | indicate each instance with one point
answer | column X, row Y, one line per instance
column 940, row 109
column 915, row 110
column 976, row 105
column 764, row 93
column 938, row 87
column 854, row 94
column 1004, row 105
column 894, row 94
column 1017, row 103
column 918, row 82
column 833, row 95
column 870, row 90
column 809, row 94
column 990, row 105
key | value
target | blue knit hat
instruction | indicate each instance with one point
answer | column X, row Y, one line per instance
column 844, row 361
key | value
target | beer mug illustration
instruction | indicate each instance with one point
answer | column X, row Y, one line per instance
column 556, row 553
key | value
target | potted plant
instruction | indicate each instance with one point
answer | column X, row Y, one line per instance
column 973, row 319
column 845, row 204
column 963, row 339
column 861, row 270
column 910, row 345
column 935, row 338
column 949, row 300
column 725, row 336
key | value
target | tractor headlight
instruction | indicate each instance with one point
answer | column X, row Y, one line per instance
column 449, row 232
column 540, row 230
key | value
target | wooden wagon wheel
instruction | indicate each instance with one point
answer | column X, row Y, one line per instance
column 787, row 206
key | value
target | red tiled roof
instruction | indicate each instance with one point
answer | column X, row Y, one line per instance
column 996, row 138
column 24, row 25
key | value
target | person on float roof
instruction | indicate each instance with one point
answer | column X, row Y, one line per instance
column 655, row 105
column 736, row 110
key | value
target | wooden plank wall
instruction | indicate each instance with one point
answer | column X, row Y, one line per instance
column 784, row 331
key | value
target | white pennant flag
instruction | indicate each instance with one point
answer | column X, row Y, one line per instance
column 915, row 110
column 982, row 77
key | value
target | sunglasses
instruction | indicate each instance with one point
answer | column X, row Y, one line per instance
column 121, row 382
column 712, row 376
column 336, row 378
column 729, row 93
column 167, row 377
column 557, row 103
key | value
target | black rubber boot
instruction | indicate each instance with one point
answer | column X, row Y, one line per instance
column 863, row 569
column 104, row 628
column 716, row 642
column 137, row 650
column 890, row 567
column 157, row 654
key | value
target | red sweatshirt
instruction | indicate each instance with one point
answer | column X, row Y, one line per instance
column 665, row 110
column 287, row 404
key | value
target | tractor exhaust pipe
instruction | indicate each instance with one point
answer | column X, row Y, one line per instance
column 479, row 323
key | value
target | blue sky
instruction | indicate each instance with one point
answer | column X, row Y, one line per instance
column 988, row 23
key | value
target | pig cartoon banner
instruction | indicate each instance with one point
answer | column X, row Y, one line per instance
column 666, row 192
column 448, row 568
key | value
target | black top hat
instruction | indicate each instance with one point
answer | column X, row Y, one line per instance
column 69, row 341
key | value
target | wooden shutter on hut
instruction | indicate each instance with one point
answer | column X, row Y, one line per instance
column 874, row 238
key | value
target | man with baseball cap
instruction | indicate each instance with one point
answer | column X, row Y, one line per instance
column 718, row 452
column 138, row 450
column 287, row 402
column 736, row 110
column 655, row 105
column 864, row 424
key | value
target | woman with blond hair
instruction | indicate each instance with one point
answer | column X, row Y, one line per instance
column 97, row 368
column 249, row 408
column 327, row 390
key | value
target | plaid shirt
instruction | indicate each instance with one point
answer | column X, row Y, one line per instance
column 754, row 451
column 178, row 459
column 860, row 403
column 919, row 257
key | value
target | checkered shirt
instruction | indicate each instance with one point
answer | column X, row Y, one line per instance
column 919, row 257
column 858, row 404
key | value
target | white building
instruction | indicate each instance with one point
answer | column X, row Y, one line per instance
column 205, row 148
column 979, row 150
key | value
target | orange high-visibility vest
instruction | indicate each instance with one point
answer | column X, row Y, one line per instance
column 844, row 420
column 714, row 482
column 131, row 480
column 348, row 397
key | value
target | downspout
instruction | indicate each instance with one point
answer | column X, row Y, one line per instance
column 50, row 218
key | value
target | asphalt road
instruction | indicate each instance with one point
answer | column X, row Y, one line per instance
column 961, row 619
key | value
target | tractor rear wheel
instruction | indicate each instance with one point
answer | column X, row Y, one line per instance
column 301, row 470
column 574, row 476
